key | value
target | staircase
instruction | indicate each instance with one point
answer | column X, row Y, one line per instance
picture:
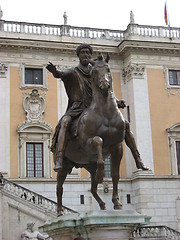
column 155, row 233
column 31, row 197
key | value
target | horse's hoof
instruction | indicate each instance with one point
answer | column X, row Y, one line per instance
column 57, row 168
column 145, row 168
column 118, row 207
column 140, row 165
column 59, row 214
column 103, row 206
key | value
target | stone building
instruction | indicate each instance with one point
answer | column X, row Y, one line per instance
column 145, row 64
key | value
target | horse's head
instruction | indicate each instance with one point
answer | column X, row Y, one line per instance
column 101, row 74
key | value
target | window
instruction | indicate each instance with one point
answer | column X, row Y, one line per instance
column 178, row 156
column 107, row 167
column 34, row 160
column 174, row 77
column 33, row 76
column 174, row 148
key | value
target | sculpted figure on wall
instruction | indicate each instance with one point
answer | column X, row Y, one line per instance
column 32, row 234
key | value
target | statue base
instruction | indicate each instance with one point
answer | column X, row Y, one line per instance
column 99, row 225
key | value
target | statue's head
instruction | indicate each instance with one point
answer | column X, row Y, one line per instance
column 30, row 225
column 83, row 46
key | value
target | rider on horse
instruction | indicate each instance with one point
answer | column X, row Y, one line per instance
column 77, row 82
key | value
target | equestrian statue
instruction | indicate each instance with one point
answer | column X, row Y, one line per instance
column 92, row 127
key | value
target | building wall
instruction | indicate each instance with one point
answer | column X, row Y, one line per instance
column 139, row 66
column 16, row 116
column 163, row 113
column 154, row 121
column 5, row 123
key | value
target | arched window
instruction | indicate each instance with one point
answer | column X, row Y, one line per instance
column 34, row 150
column 174, row 147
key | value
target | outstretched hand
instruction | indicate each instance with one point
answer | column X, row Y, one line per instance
column 121, row 104
column 51, row 68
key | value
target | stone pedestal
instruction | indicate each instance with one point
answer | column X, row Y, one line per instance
column 96, row 225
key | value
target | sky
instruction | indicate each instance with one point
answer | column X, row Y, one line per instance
column 105, row 14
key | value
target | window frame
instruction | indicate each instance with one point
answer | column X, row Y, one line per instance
column 33, row 71
column 34, row 159
column 173, row 137
column 167, row 80
column 176, row 71
column 178, row 157
column 23, row 85
column 40, row 133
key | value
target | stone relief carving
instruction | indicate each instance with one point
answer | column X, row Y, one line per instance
column 30, row 233
column 3, row 70
column 133, row 70
column 171, row 91
column 34, row 106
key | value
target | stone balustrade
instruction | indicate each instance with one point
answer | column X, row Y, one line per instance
column 155, row 232
column 93, row 33
column 30, row 196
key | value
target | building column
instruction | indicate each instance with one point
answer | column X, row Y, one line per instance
column 4, row 120
column 135, row 93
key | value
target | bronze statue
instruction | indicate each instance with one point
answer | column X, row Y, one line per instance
column 77, row 83
column 93, row 127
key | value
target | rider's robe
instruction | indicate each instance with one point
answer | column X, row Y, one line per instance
column 77, row 84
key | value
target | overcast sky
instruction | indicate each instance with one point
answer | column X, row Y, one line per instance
column 109, row 14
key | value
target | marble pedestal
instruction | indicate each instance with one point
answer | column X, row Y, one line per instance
column 96, row 225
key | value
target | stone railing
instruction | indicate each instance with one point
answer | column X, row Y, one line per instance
column 155, row 232
column 31, row 197
column 94, row 33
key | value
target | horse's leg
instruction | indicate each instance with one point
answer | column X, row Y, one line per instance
column 61, row 176
column 116, row 156
column 97, row 143
column 92, row 170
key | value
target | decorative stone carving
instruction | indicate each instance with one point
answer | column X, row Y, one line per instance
column 65, row 18
column 30, row 233
column 1, row 13
column 172, row 91
column 131, row 17
column 34, row 106
column 133, row 70
column 3, row 70
column 34, row 129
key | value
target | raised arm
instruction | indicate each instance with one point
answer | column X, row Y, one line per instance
column 51, row 68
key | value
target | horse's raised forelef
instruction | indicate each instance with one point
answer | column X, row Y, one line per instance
column 100, row 132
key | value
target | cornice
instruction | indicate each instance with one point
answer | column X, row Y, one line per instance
column 51, row 46
column 149, row 47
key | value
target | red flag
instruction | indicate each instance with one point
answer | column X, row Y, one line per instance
column 165, row 14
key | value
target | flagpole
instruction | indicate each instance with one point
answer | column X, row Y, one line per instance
column 167, row 20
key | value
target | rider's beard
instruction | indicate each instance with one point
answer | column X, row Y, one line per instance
column 85, row 61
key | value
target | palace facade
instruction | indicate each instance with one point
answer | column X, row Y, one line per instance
column 145, row 64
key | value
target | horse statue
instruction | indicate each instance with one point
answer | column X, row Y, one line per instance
column 100, row 133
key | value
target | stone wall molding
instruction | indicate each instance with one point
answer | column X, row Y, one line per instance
column 133, row 70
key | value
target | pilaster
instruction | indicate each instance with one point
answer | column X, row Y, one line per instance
column 136, row 89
